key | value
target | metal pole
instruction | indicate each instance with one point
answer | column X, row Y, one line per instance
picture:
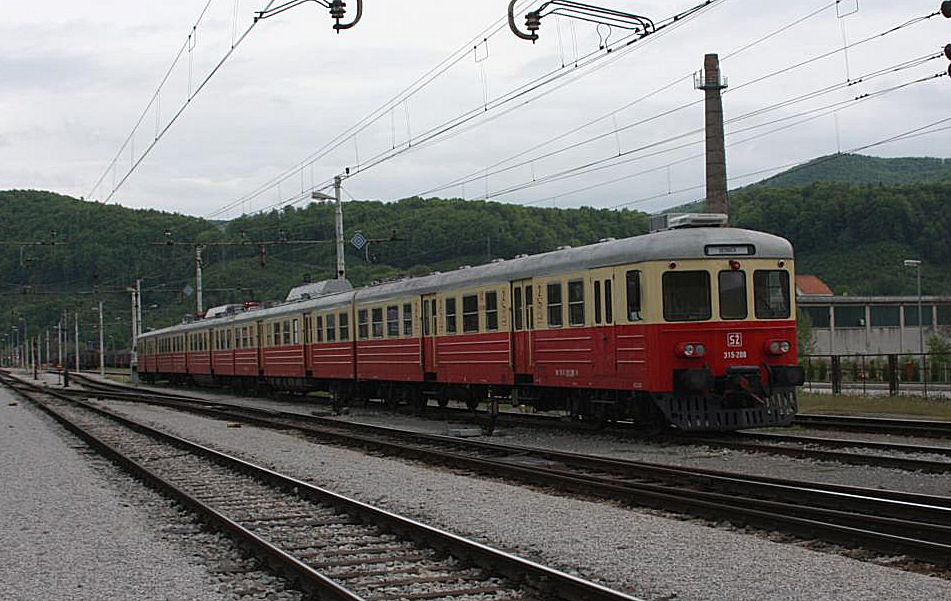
column 921, row 332
column 102, row 354
column 47, row 348
column 59, row 340
column 198, row 294
column 77, row 342
column 138, row 304
column 341, row 270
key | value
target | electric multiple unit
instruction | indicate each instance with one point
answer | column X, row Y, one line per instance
column 693, row 327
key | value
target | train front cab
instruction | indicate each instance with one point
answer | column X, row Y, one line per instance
column 725, row 355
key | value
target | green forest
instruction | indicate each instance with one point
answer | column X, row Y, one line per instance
column 61, row 253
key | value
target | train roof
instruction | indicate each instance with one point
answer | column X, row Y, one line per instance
column 676, row 244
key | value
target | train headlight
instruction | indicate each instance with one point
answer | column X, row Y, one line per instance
column 778, row 347
column 784, row 346
column 690, row 350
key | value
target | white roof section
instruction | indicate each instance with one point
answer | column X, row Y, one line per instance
column 313, row 290
column 670, row 245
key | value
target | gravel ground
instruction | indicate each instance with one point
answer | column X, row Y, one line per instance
column 649, row 555
column 75, row 527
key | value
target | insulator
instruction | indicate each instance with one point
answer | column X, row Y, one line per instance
column 337, row 9
column 947, row 51
column 533, row 21
column 946, row 8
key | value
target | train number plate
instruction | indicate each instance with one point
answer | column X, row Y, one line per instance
column 734, row 354
column 734, row 339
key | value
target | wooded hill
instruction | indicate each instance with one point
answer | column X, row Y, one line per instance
column 854, row 236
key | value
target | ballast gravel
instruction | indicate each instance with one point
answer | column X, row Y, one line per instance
column 645, row 554
column 74, row 527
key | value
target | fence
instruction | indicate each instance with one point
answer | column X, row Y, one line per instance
column 919, row 374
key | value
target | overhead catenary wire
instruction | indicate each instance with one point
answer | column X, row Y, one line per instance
column 630, row 155
column 584, row 65
column 186, row 47
column 792, row 167
column 478, row 175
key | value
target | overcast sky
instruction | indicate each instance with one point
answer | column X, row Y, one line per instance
column 75, row 77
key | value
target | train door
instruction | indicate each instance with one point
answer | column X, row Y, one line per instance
column 261, row 342
column 430, row 331
column 603, row 341
column 308, row 342
column 523, row 324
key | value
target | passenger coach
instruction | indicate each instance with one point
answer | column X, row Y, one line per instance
column 692, row 326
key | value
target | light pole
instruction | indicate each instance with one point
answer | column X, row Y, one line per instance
column 102, row 357
column 338, row 222
column 921, row 318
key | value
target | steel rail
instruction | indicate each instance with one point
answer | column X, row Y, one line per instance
column 917, row 427
column 552, row 583
column 740, row 441
column 847, row 515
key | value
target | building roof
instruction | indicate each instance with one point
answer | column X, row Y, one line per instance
column 810, row 285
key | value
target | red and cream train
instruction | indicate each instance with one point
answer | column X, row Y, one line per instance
column 694, row 327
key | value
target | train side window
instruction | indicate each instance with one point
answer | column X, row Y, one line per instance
column 277, row 333
column 529, row 308
column 633, row 280
column 343, row 324
column 686, row 296
column 555, row 318
column 451, row 315
column 491, row 311
column 608, row 302
column 771, row 293
column 228, row 339
column 363, row 327
column 576, row 303
column 470, row 313
column 597, row 302
column 408, row 320
column 732, row 294
column 296, row 331
column 378, row 322
column 427, row 319
column 331, row 323
column 393, row 321
column 286, row 331
column 320, row 328
column 517, row 307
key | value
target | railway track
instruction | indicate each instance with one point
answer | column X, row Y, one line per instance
column 890, row 522
column 334, row 547
column 789, row 445
column 884, row 425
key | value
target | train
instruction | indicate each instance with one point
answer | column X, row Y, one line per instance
column 691, row 327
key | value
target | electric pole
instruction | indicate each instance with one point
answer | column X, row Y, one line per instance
column 102, row 353
column 198, row 299
column 77, row 341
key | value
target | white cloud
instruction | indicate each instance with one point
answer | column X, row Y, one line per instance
column 76, row 81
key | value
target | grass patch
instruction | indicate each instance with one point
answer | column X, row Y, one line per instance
column 900, row 406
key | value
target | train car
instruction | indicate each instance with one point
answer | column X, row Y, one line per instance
column 693, row 327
